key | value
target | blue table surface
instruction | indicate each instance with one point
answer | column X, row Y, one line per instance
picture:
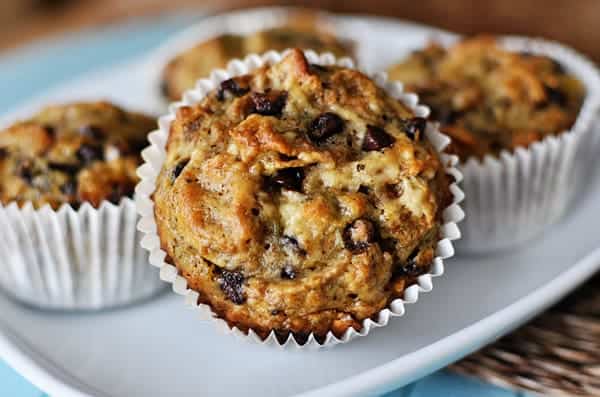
column 62, row 58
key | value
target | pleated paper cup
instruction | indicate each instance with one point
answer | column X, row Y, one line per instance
column 155, row 155
column 516, row 196
column 67, row 259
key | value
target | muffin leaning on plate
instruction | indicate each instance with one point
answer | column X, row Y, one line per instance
column 518, row 111
column 182, row 72
column 60, row 255
column 299, row 199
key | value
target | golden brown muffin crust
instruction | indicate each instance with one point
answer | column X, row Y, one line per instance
column 75, row 153
column 182, row 72
column 489, row 99
column 299, row 198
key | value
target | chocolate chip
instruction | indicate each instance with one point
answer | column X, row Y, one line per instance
column 288, row 273
column 287, row 178
column 376, row 139
column 71, row 169
column 118, row 191
column 178, row 168
column 231, row 284
column 314, row 67
column 415, row 127
column 324, row 126
column 3, row 153
column 358, row 235
column 410, row 267
column 49, row 130
column 293, row 244
column 555, row 96
column 274, row 312
column 360, row 167
column 364, row 189
column 91, row 131
column 255, row 211
column 232, row 86
column 284, row 157
column 268, row 104
column 25, row 170
column 394, row 190
column 69, row 188
column 88, row 153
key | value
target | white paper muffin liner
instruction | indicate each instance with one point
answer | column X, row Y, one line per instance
column 66, row 259
column 236, row 22
column 155, row 156
column 516, row 196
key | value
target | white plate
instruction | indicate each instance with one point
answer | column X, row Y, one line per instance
column 161, row 349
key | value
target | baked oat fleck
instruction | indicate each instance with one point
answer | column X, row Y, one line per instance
column 75, row 153
column 489, row 99
column 304, row 203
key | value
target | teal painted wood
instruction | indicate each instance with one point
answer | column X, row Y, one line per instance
column 43, row 65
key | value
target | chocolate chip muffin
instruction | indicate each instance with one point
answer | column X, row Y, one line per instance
column 489, row 99
column 75, row 153
column 182, row 72
column 300, row 198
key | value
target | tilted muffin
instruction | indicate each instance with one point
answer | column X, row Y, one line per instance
column 489, row 99
column 299, row 198
column 74, row 153
column 182, row 72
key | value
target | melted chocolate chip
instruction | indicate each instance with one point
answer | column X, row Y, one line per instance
column 555, row 96
column 376, row 139
column 71, row 169
column 25, row 171
column 410, row 267
column 91, row 131
column 288, row 273
column 231, row 86
column 291, row 242
column 268, row 104
column 364, row 189
column 178, row 168
column 415, row 127
column 324, row 126
column 49, row 130
column 394, row 190
column 3, row 153
column 88, row 153
column 232, row 285
column 313, row 67
column 360, row 167
column 287, row 178
column 358, row 235
column 284, row 157
column 118, row 191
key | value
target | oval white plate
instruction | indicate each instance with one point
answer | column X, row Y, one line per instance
column 161, row 349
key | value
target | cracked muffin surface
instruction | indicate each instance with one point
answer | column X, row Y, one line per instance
column 489, row 99
column 299, row 198
column 73, row 153
column 182, row 72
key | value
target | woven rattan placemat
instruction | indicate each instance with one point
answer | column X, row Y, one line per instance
column 557, row 354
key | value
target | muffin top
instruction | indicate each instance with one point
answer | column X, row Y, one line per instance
column 489, row 99
column 72, row 154
column 182, row 72
column 300, row 198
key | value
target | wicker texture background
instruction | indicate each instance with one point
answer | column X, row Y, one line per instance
column 557, row 354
